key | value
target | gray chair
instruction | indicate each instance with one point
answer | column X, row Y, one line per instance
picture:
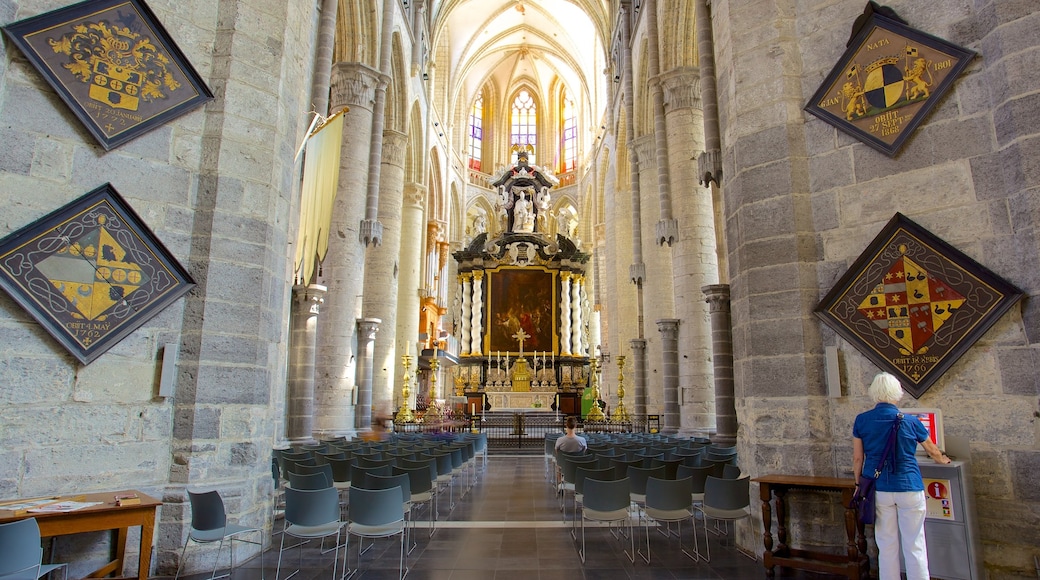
column 725, row 500
column 583, row 472
column 310, row 481
column 670, row 501
column 209, row 524
column 21, row 556
column 376, row 513
column 638, row 476
column 422, row 490
column 309, row 515
column 607, row 502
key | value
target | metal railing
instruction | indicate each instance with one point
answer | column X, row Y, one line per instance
column 513, row 431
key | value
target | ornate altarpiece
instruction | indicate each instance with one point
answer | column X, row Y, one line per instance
column 521, row 307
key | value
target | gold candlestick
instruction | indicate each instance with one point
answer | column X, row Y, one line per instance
column 404, row 414
column 595, row 414
column 620, row 412
column 433, row 412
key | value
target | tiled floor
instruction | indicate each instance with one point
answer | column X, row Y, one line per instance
column 509, row 526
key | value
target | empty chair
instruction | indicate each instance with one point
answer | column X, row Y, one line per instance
column 608, row 502
column 637, row 477
column 20, row 553
column 724, row 500
column 730, row 472
column 369, row 461
column 583, row 472
column 311, row 514
column 359, row 475
column 568, row 466
column 309, row 480
column 671, row 466
column 341, row 472
column 444, row 475
column 209, row 524
column 405, row 484
column 376, row 513
column 697, row 475
column 621, row 466
column 670, row 501
column 323, row 468
column 422, row 491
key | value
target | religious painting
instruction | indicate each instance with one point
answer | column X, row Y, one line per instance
column 522, row 303
column 913, row 304
column 113, row 65
column 90, row 273
column 886, row 83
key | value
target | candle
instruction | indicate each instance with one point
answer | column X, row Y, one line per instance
column 472, row 409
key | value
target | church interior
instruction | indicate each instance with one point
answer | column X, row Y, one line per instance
column 709, row 220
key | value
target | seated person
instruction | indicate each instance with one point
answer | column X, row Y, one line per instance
column 571, row 443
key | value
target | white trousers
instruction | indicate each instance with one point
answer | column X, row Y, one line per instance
column 900, row 516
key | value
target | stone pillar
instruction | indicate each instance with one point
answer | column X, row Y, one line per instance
column 412, row 232
column 299, row 413
column 476, row 326
column 717, row 297
column 638, row 346
column 380, row 294
column 344, row 266
column 367, row 329
column 323, row 57
column 668, row 227
column 694, row 261
column 669, row 329
column 565, row 314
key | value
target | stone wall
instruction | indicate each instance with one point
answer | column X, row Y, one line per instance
column 216, row 187
column 803, row 200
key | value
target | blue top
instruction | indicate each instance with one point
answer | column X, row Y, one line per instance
column 901, row 472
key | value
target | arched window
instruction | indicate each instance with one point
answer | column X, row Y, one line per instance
column 523, row 129
column 569, row 135
column 476, row 132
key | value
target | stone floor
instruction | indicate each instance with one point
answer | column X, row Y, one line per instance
column 509, row 526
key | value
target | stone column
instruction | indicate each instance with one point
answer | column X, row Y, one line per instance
column 412, row 232
column 343, row 269
column 638, row 346
column 694, row 262
column 669, row 329
column 717, row 296
column 299, row 413
column 668, row 227
column 367, row 329
column 323, row 57
column 476, row 325
column 380, row 294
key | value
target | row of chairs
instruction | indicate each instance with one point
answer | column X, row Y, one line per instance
column 671, row 451
column 309, row 515
column 667, row 502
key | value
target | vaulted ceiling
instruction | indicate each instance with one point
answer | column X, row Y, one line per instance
column 536, row 41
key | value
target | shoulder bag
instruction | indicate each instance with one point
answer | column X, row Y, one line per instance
column 863, row 498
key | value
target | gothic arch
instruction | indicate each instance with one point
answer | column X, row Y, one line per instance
column 357, row 34
column 413, row 171
column 397, row 91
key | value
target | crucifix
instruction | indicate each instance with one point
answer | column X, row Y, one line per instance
column 521, row 336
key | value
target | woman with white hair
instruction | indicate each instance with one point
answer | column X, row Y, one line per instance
column 899, row 502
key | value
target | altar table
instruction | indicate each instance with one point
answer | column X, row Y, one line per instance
column 853, row 564
column 104, row 516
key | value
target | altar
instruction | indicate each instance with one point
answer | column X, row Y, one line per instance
column 510, row 401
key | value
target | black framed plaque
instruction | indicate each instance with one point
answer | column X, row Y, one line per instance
column 887, row 81
column 113, row 64
column 91, row 272
column 913, row 304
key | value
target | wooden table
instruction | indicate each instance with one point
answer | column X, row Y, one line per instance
column 105, row 516
column 853, row 564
